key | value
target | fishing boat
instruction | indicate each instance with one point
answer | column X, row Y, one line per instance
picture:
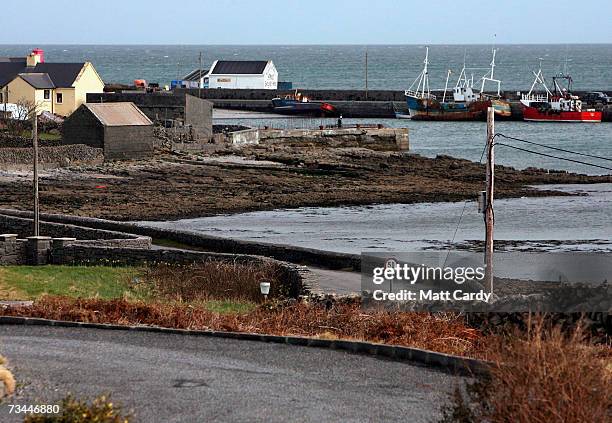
column 559, row 105
column 401, row 115
column 465, row 105
column 299, row 104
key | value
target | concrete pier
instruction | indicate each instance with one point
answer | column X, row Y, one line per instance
column 350, row 103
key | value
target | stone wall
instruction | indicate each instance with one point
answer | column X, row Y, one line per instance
column 75, row 254
column 82, row 127
column 50, row 157
column 12, row 250
column 128, row 142
column 23, row 227
column 116, row 248
column 199, row 115
column 288, row 253
column 383, row 139
column 11, row 141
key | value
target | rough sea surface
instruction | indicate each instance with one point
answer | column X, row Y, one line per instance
column 391, row 67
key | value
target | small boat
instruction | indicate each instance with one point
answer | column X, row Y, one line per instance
column 465, row 105
column 298, row 104
column 558, row 106
column 400, row 115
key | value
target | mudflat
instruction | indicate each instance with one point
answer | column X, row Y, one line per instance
column 175, row 186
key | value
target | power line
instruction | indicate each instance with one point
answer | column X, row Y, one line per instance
column 554, row 148
column 554, row 157
column 465, row 202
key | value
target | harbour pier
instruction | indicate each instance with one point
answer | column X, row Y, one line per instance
column 350, row 103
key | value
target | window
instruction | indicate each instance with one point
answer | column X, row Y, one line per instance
column 59, row 98
column 47, row 94
column 1, row 97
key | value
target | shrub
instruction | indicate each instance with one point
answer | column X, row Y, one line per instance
column 445, row 333
column 213, row 280
column 100, row 410
column 545, row 375
column 6, row 378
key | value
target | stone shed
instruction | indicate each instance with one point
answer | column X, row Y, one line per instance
column 122, row 130
column 163, row 106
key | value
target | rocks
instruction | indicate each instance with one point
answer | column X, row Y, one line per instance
column 55, row 156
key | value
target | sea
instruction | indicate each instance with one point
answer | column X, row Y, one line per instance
column 390, row 67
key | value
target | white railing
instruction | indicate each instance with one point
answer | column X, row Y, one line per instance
column 534, row 97
column 419, row 94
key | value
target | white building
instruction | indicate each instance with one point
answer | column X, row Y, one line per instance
column 259, row 74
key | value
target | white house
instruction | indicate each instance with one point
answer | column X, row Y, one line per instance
column 254, row 74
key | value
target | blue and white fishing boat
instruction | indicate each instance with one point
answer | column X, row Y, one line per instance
column 465, row 104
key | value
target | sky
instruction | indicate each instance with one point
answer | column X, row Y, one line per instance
column 308, row 22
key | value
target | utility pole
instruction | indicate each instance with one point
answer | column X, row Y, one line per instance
column 35, row 145
column 200, row 78
column 366, row 73
column 489, row 216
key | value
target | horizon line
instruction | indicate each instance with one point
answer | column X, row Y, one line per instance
column 307, row 45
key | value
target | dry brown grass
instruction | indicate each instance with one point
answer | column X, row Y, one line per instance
column 544, row 375
column 445, row 333
column 213, row 280
column 6, row 378
column 72, row 410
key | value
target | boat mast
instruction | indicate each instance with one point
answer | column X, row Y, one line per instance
column 491, row 76
column 539, row 80
column 448, row 74
column 422, row 81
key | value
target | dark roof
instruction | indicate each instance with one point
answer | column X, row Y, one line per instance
column 62, row 74
column 195, row 75
column 9, row 70
column 38, row 80
column 236, row 67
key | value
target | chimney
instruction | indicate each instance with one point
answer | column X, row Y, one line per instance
column 37, row 56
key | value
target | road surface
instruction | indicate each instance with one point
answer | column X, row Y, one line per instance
column 337, row 281
column 174, row 378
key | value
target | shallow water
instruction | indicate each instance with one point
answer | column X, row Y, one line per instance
column 405, row 227
column 467, row 139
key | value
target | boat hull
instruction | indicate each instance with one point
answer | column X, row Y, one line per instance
column 431, row 109
column 532, row 114
column 291, row 107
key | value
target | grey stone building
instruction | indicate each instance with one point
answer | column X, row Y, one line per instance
column 162, row 107
column 121, row 129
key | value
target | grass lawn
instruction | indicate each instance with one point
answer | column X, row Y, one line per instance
column 43, row 136
column 30, row 282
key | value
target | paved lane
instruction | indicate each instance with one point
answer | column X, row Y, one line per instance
column 174, row 378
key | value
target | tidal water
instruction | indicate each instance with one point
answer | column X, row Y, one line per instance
column 467, row 139
column 391, row 67
column 581, row 223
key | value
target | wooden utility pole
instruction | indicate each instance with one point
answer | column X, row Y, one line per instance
column 489, row 216
column 35, row 145
column 366, row 74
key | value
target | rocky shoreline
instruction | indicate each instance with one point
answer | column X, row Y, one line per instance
column 173, row 186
